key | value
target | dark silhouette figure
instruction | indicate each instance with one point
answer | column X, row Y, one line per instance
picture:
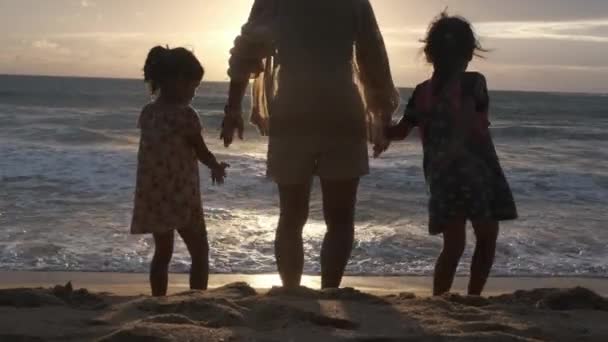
column 167, row 195
column 321, row 88
column 461, row 166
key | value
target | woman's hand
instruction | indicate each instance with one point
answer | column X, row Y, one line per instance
column 232, row 123
column 218, row 173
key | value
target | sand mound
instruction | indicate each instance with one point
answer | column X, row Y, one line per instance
column 31, row 298
column 237, row 313
column 154, row 332
column 299, row 292
column 234, row 291
column 19, row 338
column 488, row 337
column 59, row 295
column 475, row 301
column 557, row 299
column 170, row 319
column 347, row 293
column 211, row 312
column 271, row 315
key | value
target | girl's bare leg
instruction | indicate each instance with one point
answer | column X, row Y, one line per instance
column 483, row 259
column 198, row 247
column 454, row 241
column 159, row 268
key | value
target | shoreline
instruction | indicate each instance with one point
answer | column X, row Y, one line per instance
column 137, row 283
column 404, row 87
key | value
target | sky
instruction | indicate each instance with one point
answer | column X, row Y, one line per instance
column 547, row 45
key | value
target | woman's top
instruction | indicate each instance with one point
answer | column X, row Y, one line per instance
column 320, row 68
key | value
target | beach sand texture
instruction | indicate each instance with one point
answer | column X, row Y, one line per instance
column 238, row 312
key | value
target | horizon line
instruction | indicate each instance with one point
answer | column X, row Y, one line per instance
column 541, row 91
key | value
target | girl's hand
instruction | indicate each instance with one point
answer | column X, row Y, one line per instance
column 398, row 132
column 232, row 123
column 218, row 173
column 380, row 148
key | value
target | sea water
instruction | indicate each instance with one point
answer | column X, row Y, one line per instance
column 68, row 150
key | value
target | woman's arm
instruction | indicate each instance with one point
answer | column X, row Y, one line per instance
column 233, row 120
column 250, row 49
column 373, row 68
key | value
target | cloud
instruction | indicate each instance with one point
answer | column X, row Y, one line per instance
column 548, row 67
column 575, row 30
column 579, row 30
column 87, row 3
column 44, row 44
column 50, row 47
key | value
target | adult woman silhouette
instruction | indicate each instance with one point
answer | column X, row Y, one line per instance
column 322, row 88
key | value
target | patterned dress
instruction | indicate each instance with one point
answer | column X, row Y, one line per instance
column 461, row 165
column 167, row 195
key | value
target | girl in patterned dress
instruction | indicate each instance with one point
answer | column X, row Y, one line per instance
column 167, row 195
column 461, row 166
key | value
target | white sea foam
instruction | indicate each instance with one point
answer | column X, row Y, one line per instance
column 67, row 168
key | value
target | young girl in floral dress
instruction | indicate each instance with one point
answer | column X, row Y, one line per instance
column 167, row 195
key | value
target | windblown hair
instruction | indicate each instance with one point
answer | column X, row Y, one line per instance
column 450, row 41
column 165, row 64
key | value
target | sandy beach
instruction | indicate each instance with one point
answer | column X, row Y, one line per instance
column 114, row 307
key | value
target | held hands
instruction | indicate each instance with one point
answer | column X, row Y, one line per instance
column 380, row 147
column 218, row 173
column 397, row 132
column 393, row 132
column 232, row 123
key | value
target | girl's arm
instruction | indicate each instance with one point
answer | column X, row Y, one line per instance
column 191, row 127
column 411, row 118
column 203, row 153
column 399, row 131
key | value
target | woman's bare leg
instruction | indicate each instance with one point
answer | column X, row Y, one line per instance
column 159, row 268
column 483, row 258
column 339, row 200
column 454, row 241
column 198, row 247
column 289, row 247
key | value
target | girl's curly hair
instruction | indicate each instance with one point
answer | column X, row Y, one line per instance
column 451, row 40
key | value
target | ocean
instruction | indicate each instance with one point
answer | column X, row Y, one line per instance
column 68, row 151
